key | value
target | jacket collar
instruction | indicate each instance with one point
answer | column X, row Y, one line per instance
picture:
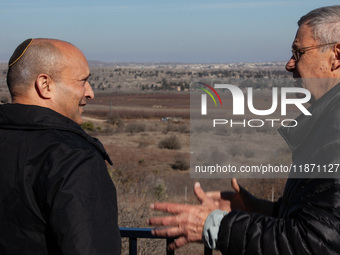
column 295, row 136
column 31, row 117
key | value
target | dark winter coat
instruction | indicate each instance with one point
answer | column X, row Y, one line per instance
column 306, row 220
column 56, row 196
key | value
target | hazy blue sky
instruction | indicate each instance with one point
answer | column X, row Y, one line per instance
column 159, row 31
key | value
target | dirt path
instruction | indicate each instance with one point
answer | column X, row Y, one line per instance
column 94, row 119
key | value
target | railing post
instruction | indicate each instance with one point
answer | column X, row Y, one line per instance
column 169, row 252
column 132, row 246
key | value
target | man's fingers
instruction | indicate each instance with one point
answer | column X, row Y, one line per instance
column 235, row 185
column 199, row 192
column 178, row 243
column 214, row 195
column 164, row 221
column 170, row 207
column 167, row 232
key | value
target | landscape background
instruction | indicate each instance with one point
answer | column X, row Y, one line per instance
column 145, row 55
column 141, row 114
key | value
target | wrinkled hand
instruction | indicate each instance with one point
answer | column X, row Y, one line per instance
column 187, row 221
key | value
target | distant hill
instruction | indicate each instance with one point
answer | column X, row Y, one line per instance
column 151, row 77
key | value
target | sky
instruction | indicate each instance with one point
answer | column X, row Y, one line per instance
column 185, row 31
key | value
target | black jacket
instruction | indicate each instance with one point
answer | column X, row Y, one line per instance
column 306, row 220
column 56, row 196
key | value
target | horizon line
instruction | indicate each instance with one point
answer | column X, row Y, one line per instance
column 174, row 62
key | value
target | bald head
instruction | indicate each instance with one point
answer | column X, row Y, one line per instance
column 52, row 74
column 40, row 56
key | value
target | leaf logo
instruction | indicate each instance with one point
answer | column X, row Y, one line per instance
column 204, row 97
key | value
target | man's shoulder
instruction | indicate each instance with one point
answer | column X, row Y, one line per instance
column 68, row 141
column 45, row 129
column 65, row 138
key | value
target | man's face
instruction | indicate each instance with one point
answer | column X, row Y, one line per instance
column 313, row 65
column 73, row 89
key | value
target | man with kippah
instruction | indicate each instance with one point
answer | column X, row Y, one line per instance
column 306, row 219
column 56, row 195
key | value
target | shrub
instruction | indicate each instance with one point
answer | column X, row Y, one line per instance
column 171, row 143
column 183, row 128
column 160, row 192
column 143, row 144
column 113, row 118
column 181, row 163
column 135, row 127
column 88, row 125
column 141, row 162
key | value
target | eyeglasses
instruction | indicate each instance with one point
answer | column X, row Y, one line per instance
column 298, row 52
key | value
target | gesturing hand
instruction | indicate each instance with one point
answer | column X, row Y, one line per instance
column 186, row 222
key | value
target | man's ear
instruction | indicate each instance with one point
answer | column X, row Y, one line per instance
column 336, row 60
column 43, row 86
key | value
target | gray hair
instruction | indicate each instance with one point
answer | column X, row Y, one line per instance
column 324, row 23
column 42, row 56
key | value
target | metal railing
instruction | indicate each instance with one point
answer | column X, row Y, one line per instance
column 134, row 233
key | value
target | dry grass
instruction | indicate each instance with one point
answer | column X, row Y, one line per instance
column 171, row 143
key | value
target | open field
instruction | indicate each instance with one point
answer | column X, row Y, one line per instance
column 131, row 129
column 142, row 117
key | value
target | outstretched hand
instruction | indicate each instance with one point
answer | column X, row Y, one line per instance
column 187, row 221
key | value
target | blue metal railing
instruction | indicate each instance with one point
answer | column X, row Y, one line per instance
column 134, row 233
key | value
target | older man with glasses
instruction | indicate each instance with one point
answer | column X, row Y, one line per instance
column 306, row 219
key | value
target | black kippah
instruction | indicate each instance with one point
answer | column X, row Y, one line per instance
column 19, row 51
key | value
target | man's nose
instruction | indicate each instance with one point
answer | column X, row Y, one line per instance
column 290, row 66
column 89, row 94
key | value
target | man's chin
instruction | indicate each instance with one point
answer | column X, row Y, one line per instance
column 80, row 121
